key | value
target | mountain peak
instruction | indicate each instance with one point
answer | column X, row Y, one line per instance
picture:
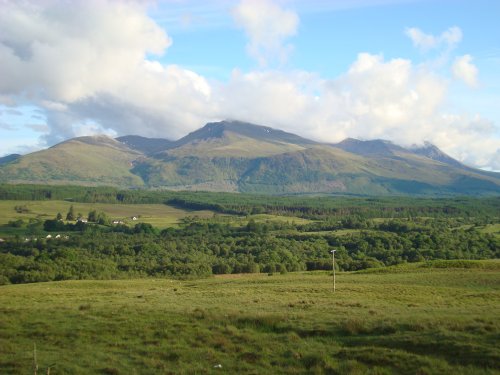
column 245, row 129
column 92, row 139
column 100, row 140
column 433, row 152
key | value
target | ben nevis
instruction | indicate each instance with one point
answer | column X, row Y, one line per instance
column 235, row 156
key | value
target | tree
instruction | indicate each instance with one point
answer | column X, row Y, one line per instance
column 102, row 219
column 59, row 216
column 71, row 214
column 92, row 216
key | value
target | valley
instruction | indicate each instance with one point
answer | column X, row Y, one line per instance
column 205, row 282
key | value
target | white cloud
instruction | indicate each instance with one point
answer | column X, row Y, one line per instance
column 494, row 163
column 89, row 66
column 392, row 99
column 72, row 58
column 449, row 38
column 267, row 26
column 70, row 50
column 464, row 69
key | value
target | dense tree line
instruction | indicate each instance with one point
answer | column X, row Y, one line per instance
column 322, row 207
column 202, row 248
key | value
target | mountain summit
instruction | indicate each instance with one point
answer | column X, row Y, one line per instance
column 257, row 132
column 237, row 156
column 237, row 139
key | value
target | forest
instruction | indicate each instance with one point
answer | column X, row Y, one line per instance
column 366, row 232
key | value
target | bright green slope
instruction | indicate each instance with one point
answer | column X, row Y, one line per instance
column 410, row 320
column 97, row 160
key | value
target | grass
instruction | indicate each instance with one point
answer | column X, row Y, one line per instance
column 425, row 320
column 491, row 229
column 159, row 215
column 278, row 218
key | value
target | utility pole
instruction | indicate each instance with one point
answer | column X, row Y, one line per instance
column 333, row 267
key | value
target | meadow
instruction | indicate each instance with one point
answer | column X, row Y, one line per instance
column 420, row 318
column 158, row 215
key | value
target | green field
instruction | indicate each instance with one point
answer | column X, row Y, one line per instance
column 158, row 215
column 492, row 229
column 403, row 320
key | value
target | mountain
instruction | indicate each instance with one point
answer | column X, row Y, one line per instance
column 95, row 160
column 9, row 158
column 434, row 153
column 244, row 129
column 237, row 156
column 148, row 146
column 375, row 147
column 236, row 139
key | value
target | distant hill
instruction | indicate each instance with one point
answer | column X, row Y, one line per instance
column 237, row 156
column 148, row 146
column 9, row 158
column 96, row 160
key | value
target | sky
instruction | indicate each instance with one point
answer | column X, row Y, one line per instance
column 408, row 71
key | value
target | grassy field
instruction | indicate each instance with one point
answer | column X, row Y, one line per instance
column 492, row 229
column 406, row 320
column 159, row 215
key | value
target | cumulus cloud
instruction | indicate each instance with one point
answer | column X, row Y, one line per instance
column 90, row 66
column 267, row 26
column 68, row 56
column 70, row 50
column 465, row 70
column 449, row 38
column 376, row 98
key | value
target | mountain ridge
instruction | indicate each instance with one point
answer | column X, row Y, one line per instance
column 237, row 156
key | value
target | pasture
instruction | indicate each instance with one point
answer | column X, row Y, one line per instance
column 158, row 215
column 411, row 319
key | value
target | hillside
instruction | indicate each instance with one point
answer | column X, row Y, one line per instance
column 242, row 157
column 145, row 145
column 96, row 160
column 9, row 158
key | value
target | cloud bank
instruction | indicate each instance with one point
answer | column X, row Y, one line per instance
column 91, row 66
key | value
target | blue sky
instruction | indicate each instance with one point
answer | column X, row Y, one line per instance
column 407, row 71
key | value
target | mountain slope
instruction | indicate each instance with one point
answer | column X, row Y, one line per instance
column 147, row 146
column 94, row 160
column 235, row 156
column 257, row 132
column 434, row 153
column 236, row 139
column 377, row 147
column 9, row 158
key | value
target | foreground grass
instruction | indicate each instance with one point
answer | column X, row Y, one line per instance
column 421, row 321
